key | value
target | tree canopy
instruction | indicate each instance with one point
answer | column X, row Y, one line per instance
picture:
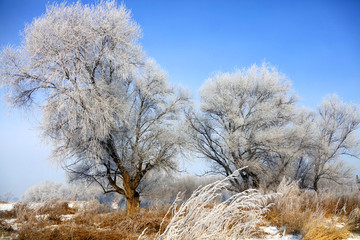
column 108, row 109
column 249, row 119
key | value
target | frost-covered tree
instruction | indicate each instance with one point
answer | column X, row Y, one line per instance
column 8, row 197
column 49, row 190
column 334, row 137
column 110, row 114
column 245, row 120
column 291, row 150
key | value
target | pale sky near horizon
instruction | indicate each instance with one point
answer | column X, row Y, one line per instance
column 315, row 43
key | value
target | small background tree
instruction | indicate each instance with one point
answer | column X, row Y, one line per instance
column 334, row 138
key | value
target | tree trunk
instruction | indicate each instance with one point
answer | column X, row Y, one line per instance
column 315, row 186
column 132, row 204
column 250, row 179
column 131, row 195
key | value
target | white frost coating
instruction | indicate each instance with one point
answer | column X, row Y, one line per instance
column 249, row 118
column 205, row 216
column 67, row 217
column 6, row 206
column 273, row 233
column 335, row 138
column 108, row 110
column 245, row 120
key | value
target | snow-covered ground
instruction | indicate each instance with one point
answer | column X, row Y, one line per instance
column 274, row 234
column 271, row 232
column 7, row 206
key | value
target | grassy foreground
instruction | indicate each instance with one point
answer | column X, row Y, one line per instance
column 306, row 214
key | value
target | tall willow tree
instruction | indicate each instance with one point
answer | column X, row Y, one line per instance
column 110, row 113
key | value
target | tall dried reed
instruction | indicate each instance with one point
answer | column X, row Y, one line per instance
column 206, row 215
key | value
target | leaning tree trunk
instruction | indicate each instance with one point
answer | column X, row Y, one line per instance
column 315, row 184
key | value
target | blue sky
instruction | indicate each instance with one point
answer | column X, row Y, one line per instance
column 315, row 43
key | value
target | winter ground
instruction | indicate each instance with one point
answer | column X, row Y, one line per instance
column 15, row 219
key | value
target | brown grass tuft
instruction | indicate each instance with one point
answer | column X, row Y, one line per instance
column 56, row 208
column 24, row 213
column 65, row 232
column 293, row 209
column 301, row 211
column 326, row 233
column 354, row 221
column 8, row 214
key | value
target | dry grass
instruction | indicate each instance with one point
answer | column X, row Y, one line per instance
column 94, row 222
column 305, row 212
column 293, row 210
column 341, row 205
column 100, row 226
column 8, row 214
column 65, row 232
column 354, row 220
column 313, row 215
column 206, row 215
column 326, row 233
column 56, row 207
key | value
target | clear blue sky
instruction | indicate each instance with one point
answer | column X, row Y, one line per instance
column 315, row 43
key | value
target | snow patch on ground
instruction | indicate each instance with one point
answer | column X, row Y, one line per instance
column 10, row 221
column 274, row 234
column 6, row 206
column 340, row 225
column 78, row 204
column 67, row 217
